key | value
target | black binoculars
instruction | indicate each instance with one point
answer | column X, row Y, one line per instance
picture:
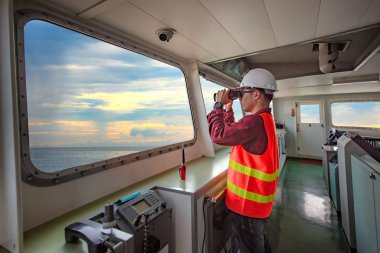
column 232, row 94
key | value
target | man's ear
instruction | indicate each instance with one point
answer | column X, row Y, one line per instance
column 257, row 94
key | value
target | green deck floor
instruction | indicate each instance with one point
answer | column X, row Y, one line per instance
column 304, row 218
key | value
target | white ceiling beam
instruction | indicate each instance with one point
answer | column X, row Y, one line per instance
column 329, row 89
column 100, row 7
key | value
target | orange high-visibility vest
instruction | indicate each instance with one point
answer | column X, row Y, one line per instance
column 252, row 179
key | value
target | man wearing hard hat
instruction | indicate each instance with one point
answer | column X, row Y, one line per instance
column 253, row 165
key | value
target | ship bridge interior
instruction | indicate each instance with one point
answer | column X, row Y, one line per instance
column 323, row 54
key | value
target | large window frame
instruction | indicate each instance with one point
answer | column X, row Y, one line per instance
column 30, row 173
column 351, row 101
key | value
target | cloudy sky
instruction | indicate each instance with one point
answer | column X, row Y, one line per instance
column 85, row 92
column 310, row 113
column 347, row 114
column 359, row 114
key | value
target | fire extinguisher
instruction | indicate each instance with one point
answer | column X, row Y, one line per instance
column 182, row 168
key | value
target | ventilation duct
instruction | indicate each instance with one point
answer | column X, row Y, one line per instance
column 329, row 53
column 235, row 68
column 327, row 56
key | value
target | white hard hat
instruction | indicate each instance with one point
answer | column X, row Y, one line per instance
column 260, row 78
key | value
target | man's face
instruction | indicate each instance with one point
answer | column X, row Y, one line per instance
column 248, row 98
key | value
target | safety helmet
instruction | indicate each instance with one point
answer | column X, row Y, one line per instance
column 260, row 78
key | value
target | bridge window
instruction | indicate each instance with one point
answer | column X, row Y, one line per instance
column 356, row 114
column 309, row 113
column 208, row 90
column 93, row 104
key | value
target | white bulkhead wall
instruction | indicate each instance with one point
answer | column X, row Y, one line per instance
column 10, row 197
column 282, row 109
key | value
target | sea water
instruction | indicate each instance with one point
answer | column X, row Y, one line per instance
column 53, row 159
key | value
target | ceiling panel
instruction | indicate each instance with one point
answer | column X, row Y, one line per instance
column 373, row 14
column 301, row 60
column 293, row 20
column 137, row 23
column 74, row 6
column 195, row 22
column 246, row 20
column 100, row 7
column 288, row 85
column 340, row 15
column 372, row 66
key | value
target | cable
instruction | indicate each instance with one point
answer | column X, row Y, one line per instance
column 204, row 222
column 147, row 246
column 108, row 245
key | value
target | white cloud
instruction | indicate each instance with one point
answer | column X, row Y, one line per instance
column 79, row 65
column 130, row 101
column 38, row 123
column 164, row 93
column 74, row 67
column 149, row 131
column 376, row 109
column 67, row 104
column 101, row 47
column 159, row 83
column 341, row 108
column 309, row 118
column 115, row 63
column 349, row 115
column 157, row 64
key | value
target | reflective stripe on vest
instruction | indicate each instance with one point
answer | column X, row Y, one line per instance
column 252, row 179
column 249, row 195
column 253, row 172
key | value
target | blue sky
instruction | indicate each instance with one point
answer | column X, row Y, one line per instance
column 85, row 92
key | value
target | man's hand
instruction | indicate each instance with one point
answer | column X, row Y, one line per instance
column 229, row 106
column 222, row 97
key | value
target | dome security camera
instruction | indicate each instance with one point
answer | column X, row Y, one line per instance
column 165, row 34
